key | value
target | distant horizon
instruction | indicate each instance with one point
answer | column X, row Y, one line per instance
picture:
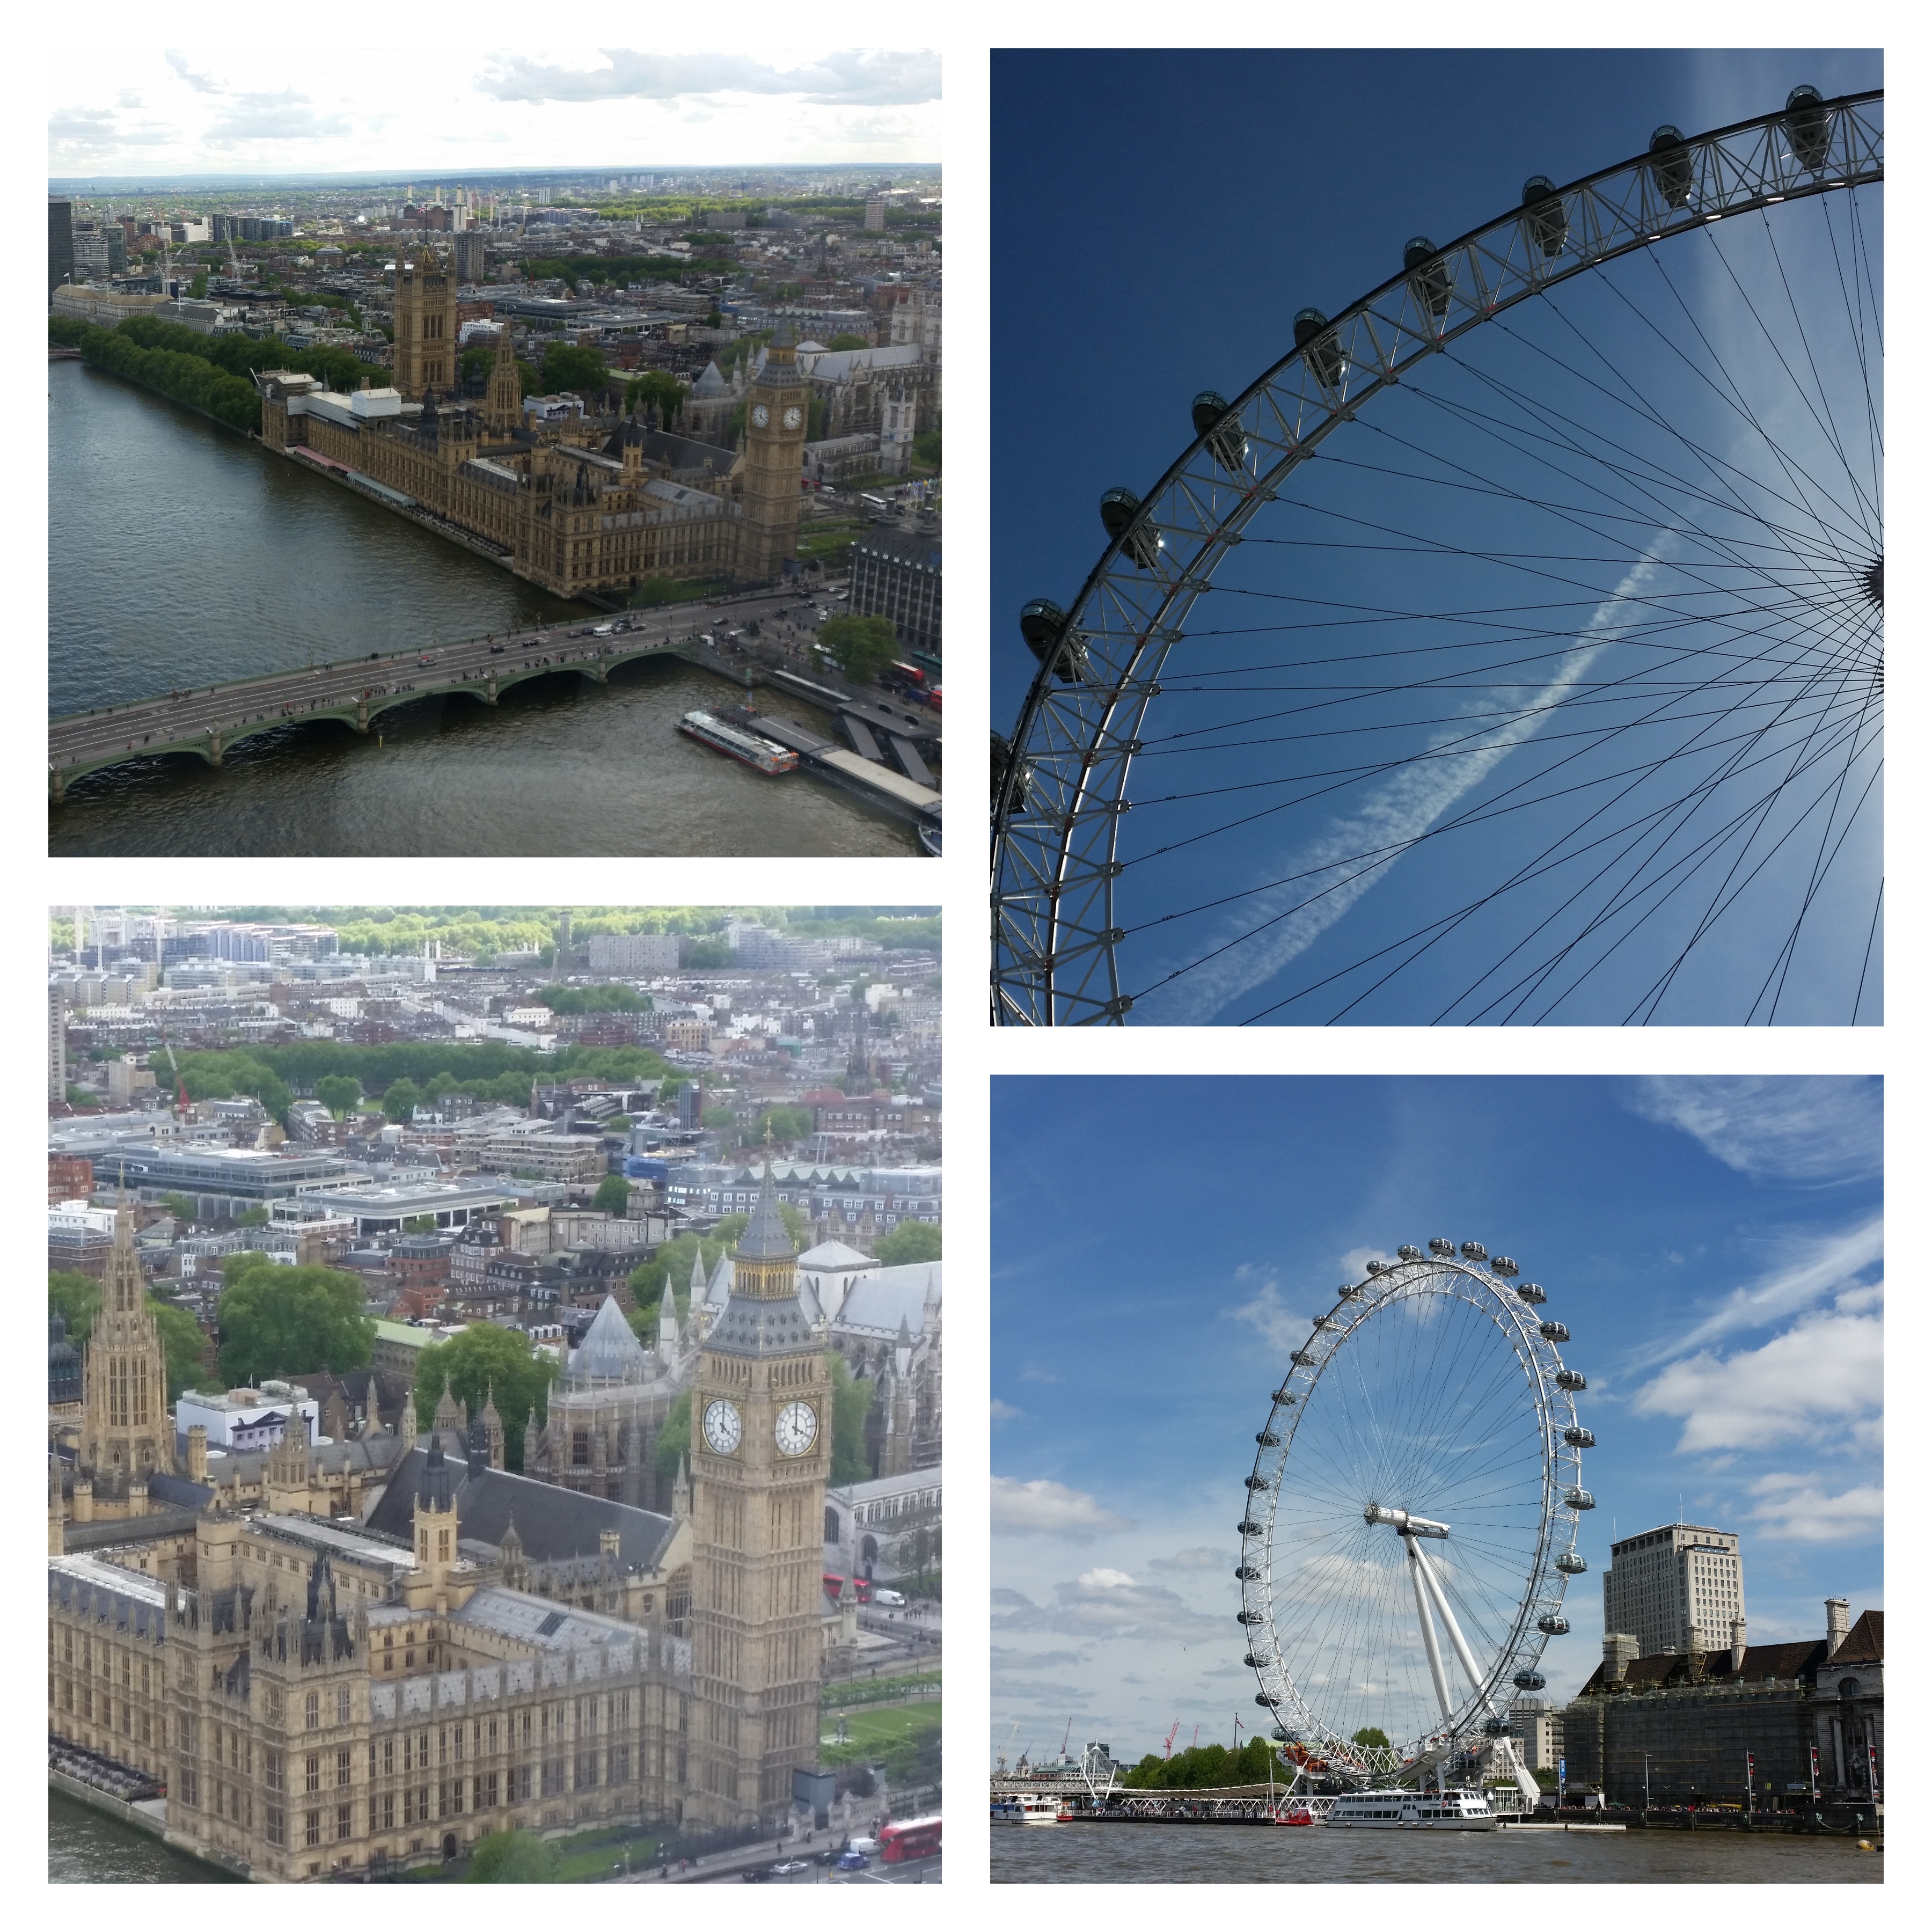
column 58, row 185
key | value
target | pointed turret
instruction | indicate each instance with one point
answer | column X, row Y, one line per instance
column 448, row 1413
column 680, row 1489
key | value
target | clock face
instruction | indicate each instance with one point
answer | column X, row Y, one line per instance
column 797, row 1428
column 792, row 419
column 724, row 1428
column 760, row 416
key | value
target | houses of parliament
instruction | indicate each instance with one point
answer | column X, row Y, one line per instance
column 329, row 1692
column 574, row 502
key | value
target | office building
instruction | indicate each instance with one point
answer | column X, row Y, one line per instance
column 1675, row 1589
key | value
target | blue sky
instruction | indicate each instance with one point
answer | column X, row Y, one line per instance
column 1713, row 1245
column 1159, row 218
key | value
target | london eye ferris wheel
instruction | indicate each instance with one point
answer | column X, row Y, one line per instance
column 1510, row 651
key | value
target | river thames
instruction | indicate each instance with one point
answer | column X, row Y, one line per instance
column 1232, row 1855
column 181, row 554
column 85, row 1847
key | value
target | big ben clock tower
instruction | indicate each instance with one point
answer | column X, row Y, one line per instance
column 775, row 424
column 761, row 1444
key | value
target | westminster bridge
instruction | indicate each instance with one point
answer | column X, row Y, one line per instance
column 208, row 721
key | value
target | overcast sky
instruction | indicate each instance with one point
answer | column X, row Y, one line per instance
column 1160, row 1245
column 252, row 103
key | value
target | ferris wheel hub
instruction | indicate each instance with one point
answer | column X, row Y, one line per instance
column 1874, row 581
column 1405, row 1524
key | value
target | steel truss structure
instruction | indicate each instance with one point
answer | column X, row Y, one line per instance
column 1308, row 1642
column 1061, row 786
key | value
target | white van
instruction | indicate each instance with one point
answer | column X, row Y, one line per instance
column 889, row 1599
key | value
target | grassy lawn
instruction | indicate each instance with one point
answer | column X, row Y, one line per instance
column 871, row 1732
column 589, row 1863
column 853, row 1690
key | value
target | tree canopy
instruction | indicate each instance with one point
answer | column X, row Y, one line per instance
column 909, row 1241
column 276, row 1321
column 181, row 1345
column 862, row 647
column 657, row 387
column 612, row 1195
column 513, row 1857
column 340, row 1092
column 75, row 1299
column 485, row 1360
column 607, row 999
column 1203, row 1766
column 851, row 1399
column 567, row 367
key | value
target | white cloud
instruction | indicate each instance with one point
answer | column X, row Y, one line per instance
column 1050, row 1509
column 1268, row 1315
column 1004, row 1412
column 1355, row 1262
column 1199, row 1559
column 1818, row 1129
column 1827, row 1370
column 1106, row 1580
column 854, row 78
column 1794, row 1509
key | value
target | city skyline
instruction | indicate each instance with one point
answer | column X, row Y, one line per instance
column 1712, row 1245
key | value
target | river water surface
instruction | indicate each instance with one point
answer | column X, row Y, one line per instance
column 1244, row 1855
column 181, row 554
column 86, row 1847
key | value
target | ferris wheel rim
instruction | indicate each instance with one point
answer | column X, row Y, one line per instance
column 1489, row 1293
column 1026, row 986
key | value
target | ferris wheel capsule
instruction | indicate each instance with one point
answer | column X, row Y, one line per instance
column 1441, row 1248
column 1529, row 1291
column 1670, row 166
column 1543, row 216
column 1571, row 1564
column 1408, row 1253
column 1502, row 1265
column 1118, row 508
column 1553, row 1625
column 1529, row 1680
column 1313, row 334
column 1042, row 623
column 1578, row 1437
column 1428, row 277
column 1475, row 1251
column 1572, row 1379
column 1809, row 125
column 1214, row 419
column 1553, row 1331
column 1579, row 1499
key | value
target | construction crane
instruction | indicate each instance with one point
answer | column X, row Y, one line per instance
column 174, row 1067
column 1168, row 1748
column 1066, row 1740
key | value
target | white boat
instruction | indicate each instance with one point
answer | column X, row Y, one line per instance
column 1028, row 1807
column 1413, row 1811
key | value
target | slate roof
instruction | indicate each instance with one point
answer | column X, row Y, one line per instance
column 552, row 1522
column 610, row 1351
column 749, row 1328
column 878, row 1302
column 766, row 1238
column 1802, row 1660
column 1864, row 1643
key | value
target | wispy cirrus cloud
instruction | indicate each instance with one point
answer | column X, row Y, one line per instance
column 1799, row 1509
column 1820, row 1129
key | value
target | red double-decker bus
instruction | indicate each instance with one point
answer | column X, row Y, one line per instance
column 861, row 1586
column 916, row 1838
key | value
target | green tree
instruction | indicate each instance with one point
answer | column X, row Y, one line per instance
column 657, row 387
column 284, row 1321
column 787, row 1124
column 181, row 1344
column 568, row 367
column 909, row 1241
column 707, row 953
column 612, row 1195
column 848, row 341
column 851, row 1399
column 252, row 1217
column 673, row 1437
column 420, row 1224
column 75, row 1299
column 401, row 1099
column 925, row 448
column 862, row 647
column 719, row 1116
column 340, row 1092
column 513, row 1857
column 179, row 1206
column 1371, row 1734
column 488, row 1361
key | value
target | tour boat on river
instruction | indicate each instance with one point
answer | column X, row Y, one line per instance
column 1414, row 1811
column 761, row 754
column 1030, row 1807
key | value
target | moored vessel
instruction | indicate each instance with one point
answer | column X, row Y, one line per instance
column 759, row 753
column 1395, row 1810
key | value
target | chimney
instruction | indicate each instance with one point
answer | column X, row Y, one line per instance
column 1838, row 1623
column 197, row 1453
column 1737, row 1645
column 1620, row 1652
column 607, row 1543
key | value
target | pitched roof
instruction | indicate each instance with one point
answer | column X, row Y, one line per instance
column 711, row 383
column 834, row 1254
column 880, row 1303
column 610, row 1351
column 554, row 1523
column 766, row 1236
column 1864, row 1643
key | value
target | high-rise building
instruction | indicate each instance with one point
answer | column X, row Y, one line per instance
column 875, row 213
column 896, row 575
column 472, row 255
column 761, row 1446
column 60, row 244
column 1677, row 1588
column 626, row 953
column 56, row 1040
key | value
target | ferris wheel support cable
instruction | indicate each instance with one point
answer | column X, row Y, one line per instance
column 1870, row 935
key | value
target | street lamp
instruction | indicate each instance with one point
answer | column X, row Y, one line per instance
column 1646, row 1784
